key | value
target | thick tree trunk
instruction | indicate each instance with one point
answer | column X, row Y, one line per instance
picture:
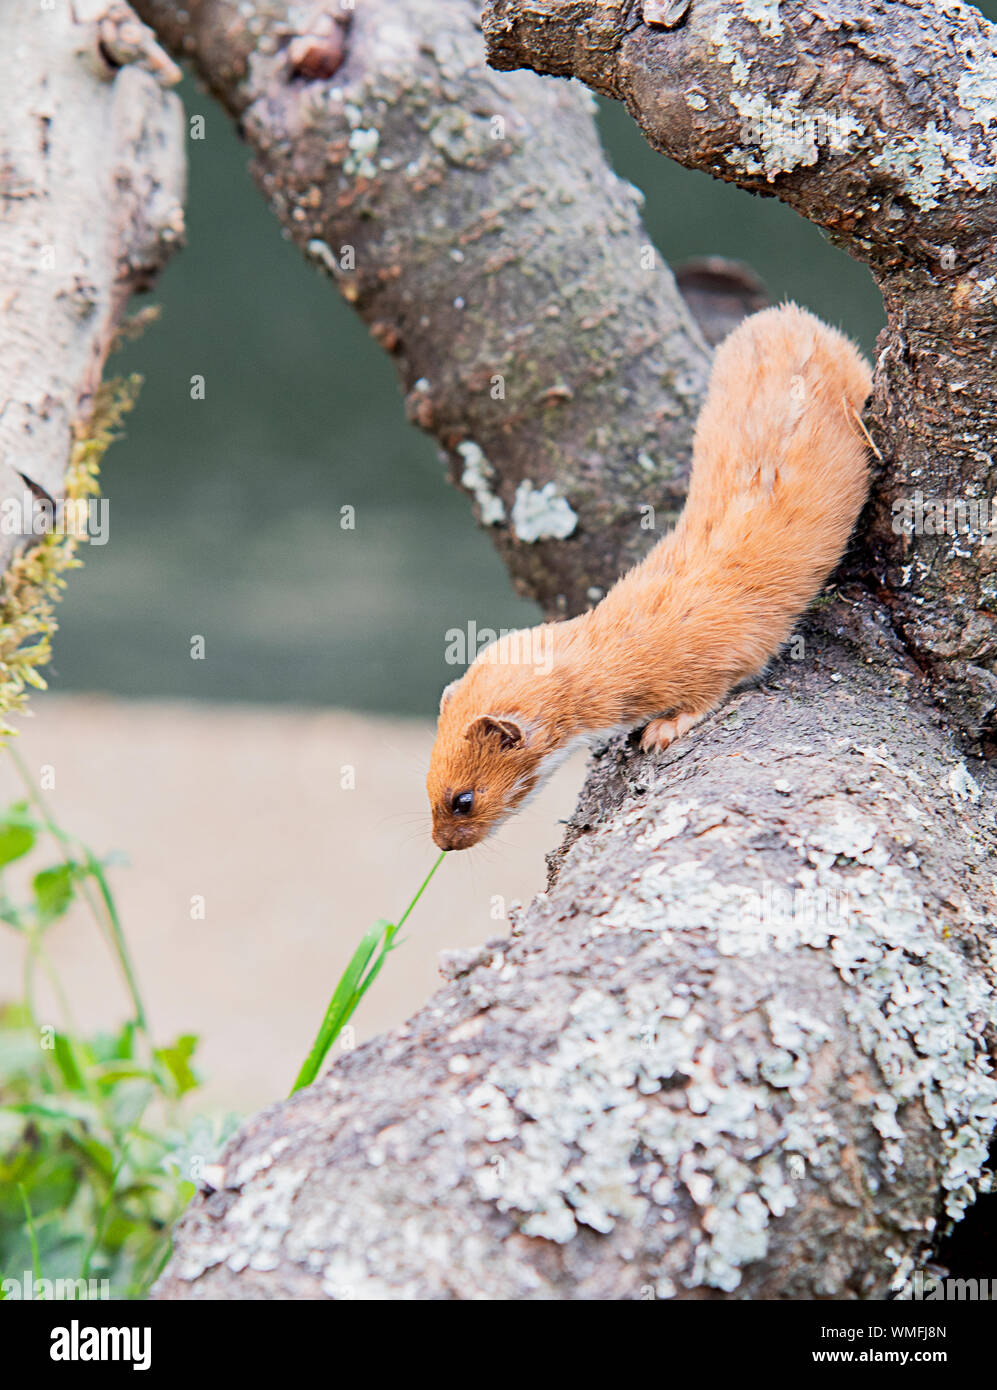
column 91, row 182
column 471, row 219
column 876, row 121
column 743, row 1044
column 739, row 1047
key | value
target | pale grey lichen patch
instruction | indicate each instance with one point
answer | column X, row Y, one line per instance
column 783, row 137
column 363, row 147
column 962, row 785
column 495, row 1115
column 606, row 1093
column 977, row 92
column 923, row 1016
column 478, row 476
column 256, row 1223
column 764, row 13
column 460, row 136
column 541, row 513
column 915, row 1008
column 257, row 1163
column 720, row 1137
column 720, row 38
column 726, row 52
column 977, row 86
column 932, row 164
column 640, row 1075
column 322, row 252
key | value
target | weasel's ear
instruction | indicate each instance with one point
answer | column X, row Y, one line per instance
column 447, row 692
column 488, row 727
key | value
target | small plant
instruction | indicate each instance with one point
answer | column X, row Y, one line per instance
column 94, row 1168
column 354, row 983
column 94, row 1164
column 34, row 580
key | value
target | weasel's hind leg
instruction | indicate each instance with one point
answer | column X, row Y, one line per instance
column 662, row 732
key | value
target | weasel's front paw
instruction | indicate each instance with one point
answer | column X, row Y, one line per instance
column 662, row 732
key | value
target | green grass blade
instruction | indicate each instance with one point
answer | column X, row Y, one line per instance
column 354, row 983
column 110, row 924
column 36, row 1264
column 339, row 1008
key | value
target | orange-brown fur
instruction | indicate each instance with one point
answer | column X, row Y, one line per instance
column 779, row 477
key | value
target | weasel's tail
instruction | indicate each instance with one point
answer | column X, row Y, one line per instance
column 780, row 469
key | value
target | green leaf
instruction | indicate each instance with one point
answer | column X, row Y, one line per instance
column 99, row 1154
column 53, row 889
column 111, row 1074
column 65, row 1058
column 176, row 1060
column 342, row 1004
column 48, row 1112
column 15, row 839
column 125, row 1047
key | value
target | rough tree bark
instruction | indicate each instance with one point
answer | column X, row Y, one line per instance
column 877, row 121
column 743, row 1045
column 91, row 184
column 471, row 219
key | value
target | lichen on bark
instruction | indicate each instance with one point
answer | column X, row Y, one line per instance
column 743, row 1045
column 666, row 1082
column 91, row 180
column 874, row 121
column 558, row 344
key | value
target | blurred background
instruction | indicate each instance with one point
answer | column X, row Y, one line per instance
column 224, row 512
column 278, row 781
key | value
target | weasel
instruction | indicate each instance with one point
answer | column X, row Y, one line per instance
column 779, row 476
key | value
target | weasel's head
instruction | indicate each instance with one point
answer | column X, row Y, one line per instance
column 487, row 759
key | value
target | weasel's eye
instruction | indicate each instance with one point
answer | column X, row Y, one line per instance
column 462, row 803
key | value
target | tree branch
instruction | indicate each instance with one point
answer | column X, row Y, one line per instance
column 743, row 1044
column 91, row 182
column 876, row 121
column 538, row 335
column 740, row 1046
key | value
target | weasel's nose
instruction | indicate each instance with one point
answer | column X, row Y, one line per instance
column 454, row 837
